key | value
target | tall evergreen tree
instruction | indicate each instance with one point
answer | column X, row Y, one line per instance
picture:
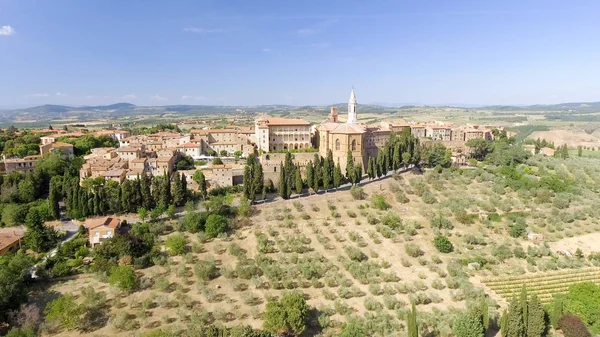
column 386, row 164
column 298, row 181
column 327, row 175
column 349, row 166
column 337, row 176
column 406, row 159
column 126, row 196
column 331, row 165
column 358, row 172
column 523, row 300
column 146, row 190
column 184, row 188
column 137, row 193
column 514, row 323
column 397, row 159
column 379, row 164
column 201, row 181
column 247, row 182
column 157, row 190
column 166, row 191
column 54, row 197
column 411, row 322
column 371, row 171
column 504, row 323
column 259, row 178
column 536, row 320
column 176, row 191
column 283, row 182
column 310, row 174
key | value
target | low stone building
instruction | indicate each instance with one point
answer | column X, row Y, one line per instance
column 21, row 165
column 222, row 176
column 65, row 150
column 11, row 239
column 101, row 229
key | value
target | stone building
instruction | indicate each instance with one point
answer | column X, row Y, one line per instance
column 277, row 134
column 343, row 137
column 21, row 165
column 65, row 150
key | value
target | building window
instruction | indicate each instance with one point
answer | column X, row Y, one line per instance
column 337, row 144
column 354, row 145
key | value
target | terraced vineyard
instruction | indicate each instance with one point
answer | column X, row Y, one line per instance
column 545, row 285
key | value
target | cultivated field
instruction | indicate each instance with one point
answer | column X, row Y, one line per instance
column 368, row 256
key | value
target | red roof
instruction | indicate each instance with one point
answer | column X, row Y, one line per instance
column 105, row 221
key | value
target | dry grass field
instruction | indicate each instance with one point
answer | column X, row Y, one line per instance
column 352, row 257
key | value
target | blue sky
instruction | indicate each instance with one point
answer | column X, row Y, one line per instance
column 298, row 52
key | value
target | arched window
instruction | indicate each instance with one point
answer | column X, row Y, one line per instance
column 337, row 144
column 354, row 145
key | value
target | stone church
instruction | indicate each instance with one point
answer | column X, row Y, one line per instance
column 363, row 141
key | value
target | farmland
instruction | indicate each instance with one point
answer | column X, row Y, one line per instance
column 544, row 285
column 363, row 257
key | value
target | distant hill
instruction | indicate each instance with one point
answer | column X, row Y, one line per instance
column 47, row 109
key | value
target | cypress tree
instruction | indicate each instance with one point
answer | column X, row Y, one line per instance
column 310, row 174
column 523, row 301
column 379, row 164
column 349, row 166
column 315, row 182
column 258, row 179
column 54, row 197
column 247, row 183
column 397, row 159
column 157, row 190
column 536, row 319
column 337, row 176
column 371, row 171
column 166, row 192
column 386, row 164
column 298, row 181
column 331, row 165
column 118, row 201
column 504, row 323
column 137, row 193
column 358, row 172
column 126, row 196
column 145, row 186
column 514, row 320
column 184, row 189
column 327, row 174
column 411, row 322
column 201, row 180
column 282, row 182
column 485, row 314
column 176, row 190
column 96, row 202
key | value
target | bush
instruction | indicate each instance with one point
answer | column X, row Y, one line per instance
column 355, row 254
column 357, row 193
column 289, row 315
column 412, row 250
column 428, row 198
column 391, row 220
column 378, row 202
column 21, row 332
column 176, row 244
column 63, row 312
column 215, row 224
column 401, row 197
column 123, row 277
column 468, row 325
column 573, row 326
column 442, row 244
column 205, row 270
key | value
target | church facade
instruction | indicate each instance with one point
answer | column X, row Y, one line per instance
column 361, row 140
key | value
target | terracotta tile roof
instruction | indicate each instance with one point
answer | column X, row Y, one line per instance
column 10, row 235
column 104, row 221
column 127, row 149
column 61, row 144
column 343, row 128
column 283, row 121
column 189, row 145
column 221, row 166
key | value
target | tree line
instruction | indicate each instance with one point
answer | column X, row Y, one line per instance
column 401, row 150
column 99, row 197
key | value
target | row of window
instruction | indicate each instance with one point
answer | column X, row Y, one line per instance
column 352, row 145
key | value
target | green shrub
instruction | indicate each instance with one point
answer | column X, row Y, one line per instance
column 357, row 193
column 378, row 202
column 123, row 277
column 412, row 250
column 391, row 220
column 428, row 197
column 205, row 270
column 63, row 312
column 215, row 225
column 401, row 197
column 176, row 244
column 442, row 244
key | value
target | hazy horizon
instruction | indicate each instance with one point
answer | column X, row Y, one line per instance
column 467, row 53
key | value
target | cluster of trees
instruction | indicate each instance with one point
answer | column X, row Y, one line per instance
column 84, row 144
column 577, row 311
column 562, row 152
column 26, row 143
column 525, row 317
column 99, row 197
column 473, row 323
column 253, row 179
